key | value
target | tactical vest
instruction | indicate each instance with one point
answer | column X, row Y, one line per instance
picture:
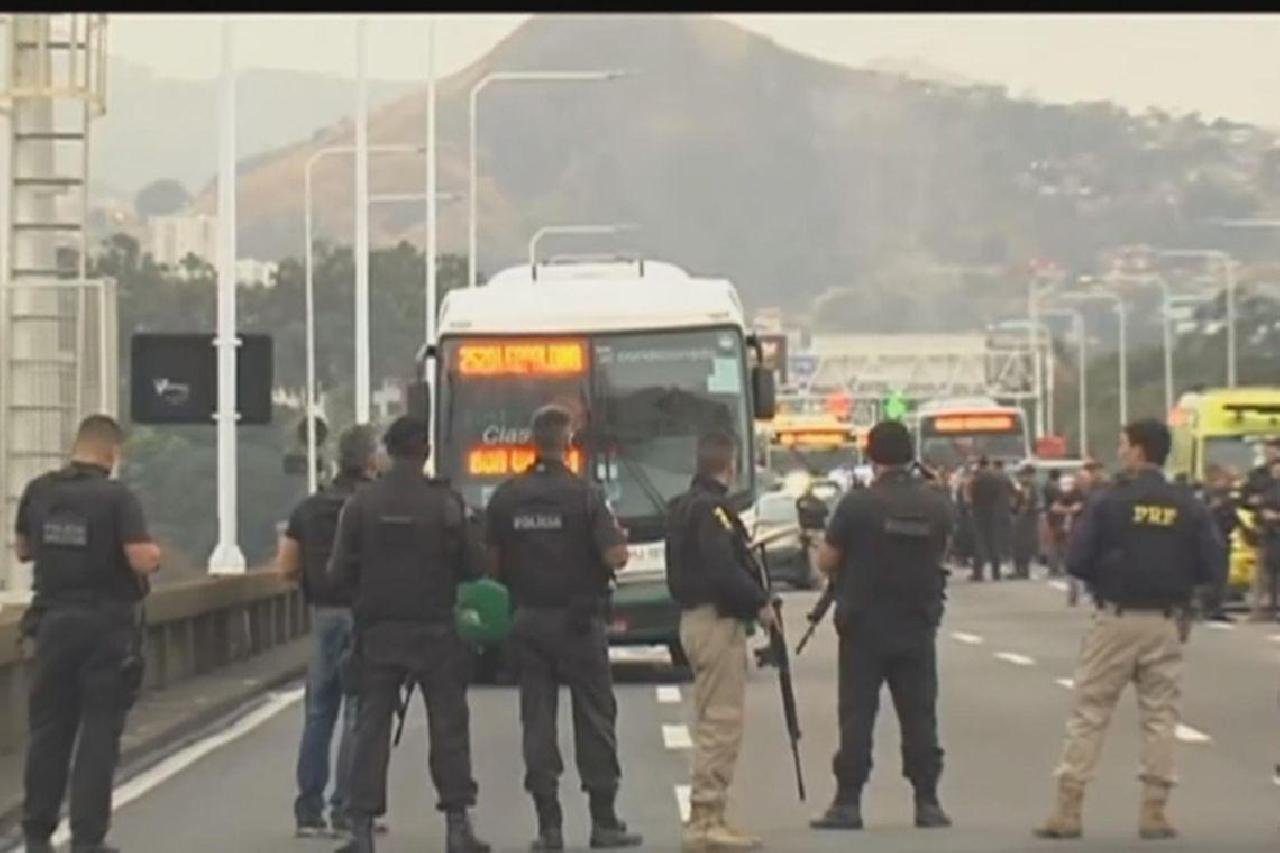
column 78, row 560
column 893, row 565
column 549, row 556
column 412, row 545
column 317, row 544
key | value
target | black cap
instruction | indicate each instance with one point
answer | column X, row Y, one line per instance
column 406, row 438
column 889, row 443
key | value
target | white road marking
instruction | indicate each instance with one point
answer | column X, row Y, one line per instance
column 1065, row 682
column 1015, row 659
column 184, row 758
column 1275, row 638
column 1220, row 626
column 1059, row 585
column 668, row 695
column 676, row 737
column 640, row 654
column 682, row 802
column 967, row 639
column 1186, row 734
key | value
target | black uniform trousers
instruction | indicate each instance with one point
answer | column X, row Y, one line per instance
column 433, row 660
column 874, row 651
column 991, row 536
column 551, row 652
column 78, row 702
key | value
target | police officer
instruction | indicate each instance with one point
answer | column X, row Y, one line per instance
column 719, row 596
column 990, row 498
column 1026, row 522
column 883, row 550
column 304, row 558
column 554, row 542
column 1142, row 546
column 93, row 556
column 403, row 546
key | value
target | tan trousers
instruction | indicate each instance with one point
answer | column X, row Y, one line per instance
column 717, row 652
column 1138, row 647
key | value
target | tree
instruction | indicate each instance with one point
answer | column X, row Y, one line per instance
column 160, row 198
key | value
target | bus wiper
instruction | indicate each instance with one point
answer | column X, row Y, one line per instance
column 617, row 443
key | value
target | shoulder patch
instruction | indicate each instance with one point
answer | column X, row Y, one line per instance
column 723, row 518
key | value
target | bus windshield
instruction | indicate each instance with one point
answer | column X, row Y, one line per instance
column 1232, row 456
column 951, row 440
column 654, row 394
column 639, row 401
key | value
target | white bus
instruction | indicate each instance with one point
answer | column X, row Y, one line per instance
column 645, row 356
column 955, row 431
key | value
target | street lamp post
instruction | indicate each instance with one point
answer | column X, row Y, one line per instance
column 1227, row 264
column 1167, row 335
column 362, row 224
column 1034, row 292
column 1122, row 318
column 510, row 76
column 309, row 276
column 571, row 229
column 1077, row 318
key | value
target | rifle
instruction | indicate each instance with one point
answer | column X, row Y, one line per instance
column 780, row 659
column 817, row 614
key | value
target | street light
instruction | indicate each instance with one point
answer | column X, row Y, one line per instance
column 511, row 76
column 1225, row 261
column 1077, row 318
column 1034, row 292
column 1122, row 315
column 1166, row 300
column 309, row 281
column 571, row 229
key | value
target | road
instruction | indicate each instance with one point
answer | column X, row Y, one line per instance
column 1006, row 652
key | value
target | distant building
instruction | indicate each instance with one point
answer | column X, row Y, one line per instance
column 171, row 238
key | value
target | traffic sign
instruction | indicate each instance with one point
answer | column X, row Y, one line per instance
column 895, row 406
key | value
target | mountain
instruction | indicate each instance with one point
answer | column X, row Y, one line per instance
column 139, row 140
column 920, row 69
column 789, row 175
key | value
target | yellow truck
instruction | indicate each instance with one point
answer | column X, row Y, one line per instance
column 1218, row 437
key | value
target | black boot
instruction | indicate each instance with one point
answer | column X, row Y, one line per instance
column 929, row 813
column 550, row 818
column 361, row 840
column 606, row 830
column 844, row 813
column 460, row 837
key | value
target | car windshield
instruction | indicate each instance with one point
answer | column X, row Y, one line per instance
column 654, row 395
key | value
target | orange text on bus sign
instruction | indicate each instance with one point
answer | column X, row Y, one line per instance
column 824, row 438
column 522, row 358
column 506, row 460
column 975, row 423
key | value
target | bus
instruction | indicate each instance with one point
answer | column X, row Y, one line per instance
column 1218, row 436
column 806, row 436
column 950, row 433
column 645, row 356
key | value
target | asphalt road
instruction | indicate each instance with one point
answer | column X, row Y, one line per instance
column 1006, row 651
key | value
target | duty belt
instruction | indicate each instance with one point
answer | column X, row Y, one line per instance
column 1168, row 610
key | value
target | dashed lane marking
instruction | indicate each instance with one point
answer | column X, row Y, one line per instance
column 1060, row 586
column 1065, row 682
column 1275, row 638
column 1186, row 734
column 682, row 802
column 676, row 737
column 967, row 639
column 1015, row 659
column 1220, row 626
column 668, row 695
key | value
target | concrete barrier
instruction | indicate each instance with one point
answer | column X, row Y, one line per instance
column 192, row 628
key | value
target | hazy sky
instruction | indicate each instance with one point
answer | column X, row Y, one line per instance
column 1218, row 64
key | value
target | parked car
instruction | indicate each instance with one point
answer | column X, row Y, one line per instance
column 788, row 556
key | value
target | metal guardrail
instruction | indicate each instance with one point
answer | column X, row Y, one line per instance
column 193, row 627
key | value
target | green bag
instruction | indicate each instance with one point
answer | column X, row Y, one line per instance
column 483, row 612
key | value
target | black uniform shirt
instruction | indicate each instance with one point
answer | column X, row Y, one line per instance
column 552, row 529
column 313, row 524
column 892, row 538
column 403, row 545
column 77, row 522
column 1145, row 542
column 704, row 564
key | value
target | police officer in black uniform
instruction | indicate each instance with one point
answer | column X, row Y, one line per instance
column 304, row 559
column 403, row 546
column 88, row 539
column 554, row 542
column 884, row 549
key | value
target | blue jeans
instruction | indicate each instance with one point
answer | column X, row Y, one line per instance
column 331, row 632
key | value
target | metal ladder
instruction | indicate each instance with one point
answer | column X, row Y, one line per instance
column 54, row 87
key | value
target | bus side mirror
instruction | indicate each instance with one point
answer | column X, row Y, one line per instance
column 764, row 394
column 418, row 400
